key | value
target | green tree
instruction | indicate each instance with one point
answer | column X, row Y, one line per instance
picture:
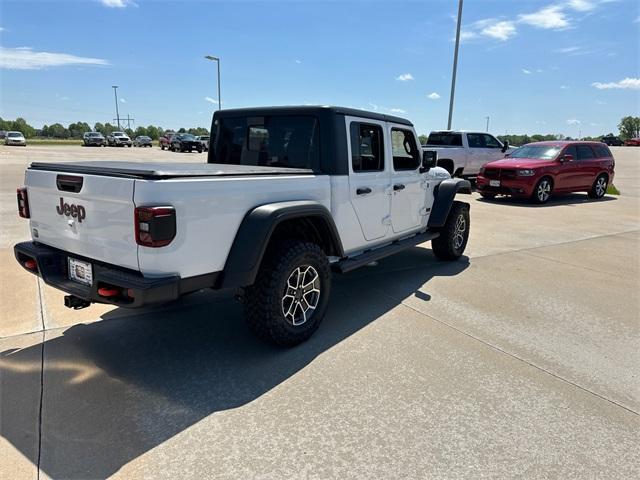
column 21, row 125
column 629, row 127
column 423, row 139
column 57, row 130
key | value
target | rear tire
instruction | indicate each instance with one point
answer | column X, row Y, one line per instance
column 487, row 195
column 599, row 187
column 289, row 298
column 454, row 235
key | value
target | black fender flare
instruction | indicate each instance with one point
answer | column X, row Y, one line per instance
column 443, row 196
column 254, row 233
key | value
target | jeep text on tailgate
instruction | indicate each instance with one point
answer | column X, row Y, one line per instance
column 288, row 195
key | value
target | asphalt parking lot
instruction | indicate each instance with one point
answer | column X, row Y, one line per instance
column 520, row 360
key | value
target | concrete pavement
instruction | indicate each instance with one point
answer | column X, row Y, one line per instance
column 520, row 361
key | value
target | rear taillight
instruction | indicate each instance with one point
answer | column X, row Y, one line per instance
column 155, row 226
column 23, row 202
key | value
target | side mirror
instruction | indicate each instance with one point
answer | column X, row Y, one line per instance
column 505, row 146
column 566, row 158
column 429, row 160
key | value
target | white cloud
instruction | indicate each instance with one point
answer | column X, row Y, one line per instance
column 1, row 29
column 551, row 17
column 25, row 58
column 627, row 83
column 526, row 72
column 122, row 100
column 211, row 100
column 573, row 121
column 503, row 30
column 397, row 110
column 433, row 96
column 117, row 3
column 298, row 61
column 582, row 5
column 564, row 87
column 569, row 50
column 405, row 77
column 467, row 35
column 373, row 106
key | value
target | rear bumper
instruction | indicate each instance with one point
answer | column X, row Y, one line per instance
column 134, row 289
column 518, row 187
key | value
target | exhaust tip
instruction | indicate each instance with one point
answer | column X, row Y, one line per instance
column 71, row 301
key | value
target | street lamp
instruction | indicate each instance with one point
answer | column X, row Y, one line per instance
column 487, row 124
column 455, row 65
column 115, row 93
column 217, row 60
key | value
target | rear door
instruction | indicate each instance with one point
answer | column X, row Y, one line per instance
column 88, row 215
column 369, row 178
column 587, row 167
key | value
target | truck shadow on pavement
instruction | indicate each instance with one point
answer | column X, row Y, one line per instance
column 117, row 388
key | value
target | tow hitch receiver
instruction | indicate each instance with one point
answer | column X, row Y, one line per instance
column 71, row 301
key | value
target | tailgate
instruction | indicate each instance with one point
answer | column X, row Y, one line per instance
column 89, row 215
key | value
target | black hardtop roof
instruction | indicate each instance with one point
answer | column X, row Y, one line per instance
column 311, row 110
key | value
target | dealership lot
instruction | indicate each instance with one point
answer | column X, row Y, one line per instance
column 521, row 360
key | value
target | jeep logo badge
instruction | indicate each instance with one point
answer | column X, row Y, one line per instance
column 74, row 211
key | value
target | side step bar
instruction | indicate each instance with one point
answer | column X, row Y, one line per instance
column 348, row 264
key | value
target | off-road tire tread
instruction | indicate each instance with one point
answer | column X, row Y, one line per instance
column 262, row 299
column 442, row 245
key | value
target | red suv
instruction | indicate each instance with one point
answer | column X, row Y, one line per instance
column 538, row 170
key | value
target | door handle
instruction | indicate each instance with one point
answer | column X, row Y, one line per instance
column 398, row 186
column 363, row 191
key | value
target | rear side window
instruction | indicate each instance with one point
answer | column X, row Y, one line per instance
column 288, row 141
column 445, row 139
column 602, row 151
column 367, row 148
column 584, row 152
column 405, row 150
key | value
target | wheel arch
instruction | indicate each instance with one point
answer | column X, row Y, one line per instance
column 304, row 219
column 444, row 195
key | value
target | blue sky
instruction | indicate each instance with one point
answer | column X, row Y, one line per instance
column 568, row 66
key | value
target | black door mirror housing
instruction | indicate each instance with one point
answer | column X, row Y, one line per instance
column 505, row 146
column 429, row 160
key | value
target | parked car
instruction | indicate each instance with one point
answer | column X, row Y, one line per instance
column 204, row 140
column 463, row 153
column 632, row 142
column 612, row 141
column 94, row 138
column 3, row 134
column 15, row 138
column 118, row 139
column 185, row 142
column 165, row 140
column 143, row 141
column 539, row 170
column 288, row 195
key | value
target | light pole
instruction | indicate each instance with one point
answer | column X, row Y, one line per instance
column 455, row 65
column 487, row 123
column 115, row 93
column 217, row 60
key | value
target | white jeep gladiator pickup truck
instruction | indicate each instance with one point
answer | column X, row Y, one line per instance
column 462, row 154
column 288, row 195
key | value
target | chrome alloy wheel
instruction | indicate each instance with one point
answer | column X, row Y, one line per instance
column 458, row 232
column 544, row 190
column 301, row 295
column 601, row 186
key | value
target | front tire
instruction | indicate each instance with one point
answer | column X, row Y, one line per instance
column 542, row 191
column 289, row 298
column 599, row 187
column 454, row 235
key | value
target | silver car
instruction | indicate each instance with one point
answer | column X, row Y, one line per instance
column 15, row 138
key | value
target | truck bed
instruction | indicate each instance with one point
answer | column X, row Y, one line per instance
column 160, row 170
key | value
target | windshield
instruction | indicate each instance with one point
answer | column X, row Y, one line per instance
column 289, row 141
column 94, row 134
column 445, row 139
column 144, row 138
column 186, row 136
column 118, row 134
column 14, row 134
column 539, row 152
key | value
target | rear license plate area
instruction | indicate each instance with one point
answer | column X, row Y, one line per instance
column 81, row 272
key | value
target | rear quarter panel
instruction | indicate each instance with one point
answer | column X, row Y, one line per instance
column 209, row 212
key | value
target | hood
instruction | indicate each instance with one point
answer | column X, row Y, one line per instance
column 520, row 163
